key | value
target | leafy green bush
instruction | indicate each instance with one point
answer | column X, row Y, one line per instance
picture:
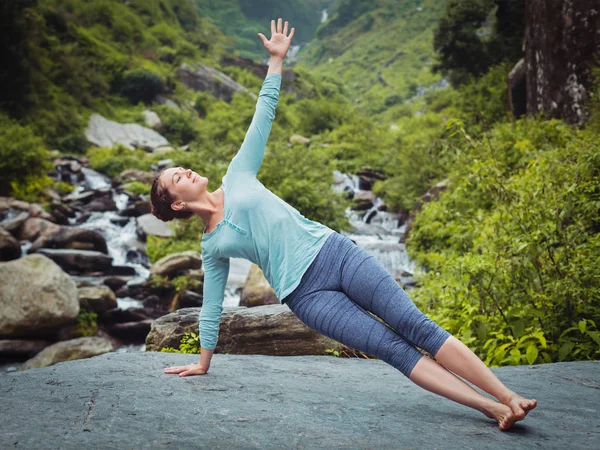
column 140, row 85
column 23, row 161
column 138, row 188
column 511, row 247
column 190, row 343
column 86, row 324
column 112, row 161
column 187, row 236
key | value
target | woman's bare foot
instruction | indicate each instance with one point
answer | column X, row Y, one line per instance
column 520, row 406
column 501, row 413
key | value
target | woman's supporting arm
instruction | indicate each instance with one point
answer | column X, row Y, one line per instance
column 216, row 271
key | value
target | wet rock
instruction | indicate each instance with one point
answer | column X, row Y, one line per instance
column 190, row 299
column 131, row 331
column 176, row 263
column 9, row 247
column 101, row 203
column 201, row 77
column 139, row 208
column 120, row 221
column 117, row 315
column 36, row 298
column 80, row 348
column 105, row 133
column 97, row 298
column 79, row 261
column 367, row 178
column 14, row 225
column 114, row 283
column 257, row 291
column 62, row 237
column 265, row 330
column 122, row 270
column 364, row 200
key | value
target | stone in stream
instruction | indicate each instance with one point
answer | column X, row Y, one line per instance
column 139, row 208
column 46, row 234
column 257, row 291
column 149, row 225
column 131, row 331
column 79, row 348
column 265, row 330
column 96, row 298
column 173, row 264
column 9, row 247
column 36, row 298
column 14, row 225
column 79, row 261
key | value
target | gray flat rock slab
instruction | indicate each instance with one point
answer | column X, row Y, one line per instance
column 125, row 401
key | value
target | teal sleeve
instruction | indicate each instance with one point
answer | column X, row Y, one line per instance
column 216, row 271
column 250, row 156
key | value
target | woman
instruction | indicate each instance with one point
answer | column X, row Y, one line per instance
column 324, row 278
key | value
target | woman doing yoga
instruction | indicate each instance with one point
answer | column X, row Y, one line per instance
column 322, row 276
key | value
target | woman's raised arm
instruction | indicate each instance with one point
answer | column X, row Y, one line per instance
column 251, row 153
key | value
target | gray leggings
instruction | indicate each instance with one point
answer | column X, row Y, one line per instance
column 340, row 284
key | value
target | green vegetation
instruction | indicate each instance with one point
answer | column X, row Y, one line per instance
column 86, row 324
column 190, row 343
column 510, row 248
column 242, row 20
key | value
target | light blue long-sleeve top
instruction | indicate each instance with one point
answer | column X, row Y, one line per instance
column 258, row 225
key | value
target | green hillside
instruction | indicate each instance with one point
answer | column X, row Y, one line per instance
column 242, row 20
column 381, row 50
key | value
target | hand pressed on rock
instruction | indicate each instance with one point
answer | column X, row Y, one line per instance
column 190, row 369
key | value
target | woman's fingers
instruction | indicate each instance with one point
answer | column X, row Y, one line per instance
column 263, row 38
column 285, row 28
column 176, row 369
column 279, row 25
column 291, row 34
column 273, row 30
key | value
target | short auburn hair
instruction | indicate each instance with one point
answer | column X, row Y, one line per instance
column 161, row 200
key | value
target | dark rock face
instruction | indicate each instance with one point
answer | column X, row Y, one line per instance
column 563, row 39
column 124, row 400
column 201, row 77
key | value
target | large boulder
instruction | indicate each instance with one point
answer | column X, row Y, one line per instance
column 105, row 133
column 135, row 175
column 80, row 348
column 36, row 298
column 201, row 77
column 257, row 290
column 97, row 298
column 263, row 330
column 176, row 263
column 562, row 44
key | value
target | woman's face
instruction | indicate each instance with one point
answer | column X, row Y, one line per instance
column 184, row 185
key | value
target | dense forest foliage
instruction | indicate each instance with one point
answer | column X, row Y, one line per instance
column 414, row 88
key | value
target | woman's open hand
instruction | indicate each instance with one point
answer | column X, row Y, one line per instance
column 190, row 369
column 280, row 41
